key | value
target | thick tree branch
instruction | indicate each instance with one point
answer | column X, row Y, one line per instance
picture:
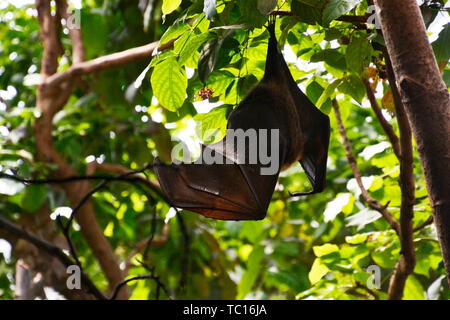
column 49, row 101
column 407, row 262
column 50, row 249
column 427, row 103
column 106, row 62
column 374, row 204
column 124, row 172
column 49, row 38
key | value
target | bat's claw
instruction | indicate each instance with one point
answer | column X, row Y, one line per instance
column 298, row 194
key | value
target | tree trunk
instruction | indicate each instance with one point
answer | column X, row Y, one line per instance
column 427, row 103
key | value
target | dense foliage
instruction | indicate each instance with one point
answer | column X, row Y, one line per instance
column 319, row 246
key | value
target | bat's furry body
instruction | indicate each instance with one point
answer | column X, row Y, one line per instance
column 237, row 191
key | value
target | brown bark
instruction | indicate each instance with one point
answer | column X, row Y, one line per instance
column 41, row 255
column 427, row 103
column 112, row 60
column 50, row 99
column 405, row 265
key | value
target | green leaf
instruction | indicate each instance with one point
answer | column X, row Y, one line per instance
column 212, row 124
column 337, row 8
column 314, row 3
column 357, row 238
column 413, row 289
column 95, row 33
column 170, row 5
column 265, row 6
column 386, row 257
column 169, row 83
column 428, row 257
column 332, row 57
column 34, row 197
column 328, row 93
column 353, row 86
column 257, row 52
column 441, row 46
column 173, row 32
column 252, row 17
column 325, row 249
column 358, row 54
column 251, row 230
column 219, row 81
column 314, row 90
column 306, row 13
column 210, row 54
column 318, row 270
column 192, row 46
column 252, row 272
column 293, row 280
column 446, row 77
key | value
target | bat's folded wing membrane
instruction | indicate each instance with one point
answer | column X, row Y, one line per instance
column 219, row 191
column 314, row 161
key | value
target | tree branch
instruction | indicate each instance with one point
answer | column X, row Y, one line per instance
column 374, row 204
column 106, row 62
column 344, row 18
column 381, row 119
column 50, row 249
column 407, row 262
column 78, row 52
column 424, row 224
column 427, row 103
column 140, row 277
column 49, row 101
column 142, row 244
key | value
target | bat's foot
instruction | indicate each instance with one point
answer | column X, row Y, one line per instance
column 298, row 194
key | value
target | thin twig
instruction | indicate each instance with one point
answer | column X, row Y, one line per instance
column 374, row 204
column 185, row 262
column 381, row 119
column 52, row 250
column 141, row 277
column 66, row 234
column 424, row 224
column 344, row 18
column 407, row 262
column 369, row 291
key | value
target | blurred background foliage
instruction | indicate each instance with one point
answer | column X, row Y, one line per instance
column 311, row 247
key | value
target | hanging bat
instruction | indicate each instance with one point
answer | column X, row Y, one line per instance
column 237, row 185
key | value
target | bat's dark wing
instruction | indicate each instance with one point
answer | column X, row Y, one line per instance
column 237, row 190
column 233, row 191
column 315, row 125
column 316, row 132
